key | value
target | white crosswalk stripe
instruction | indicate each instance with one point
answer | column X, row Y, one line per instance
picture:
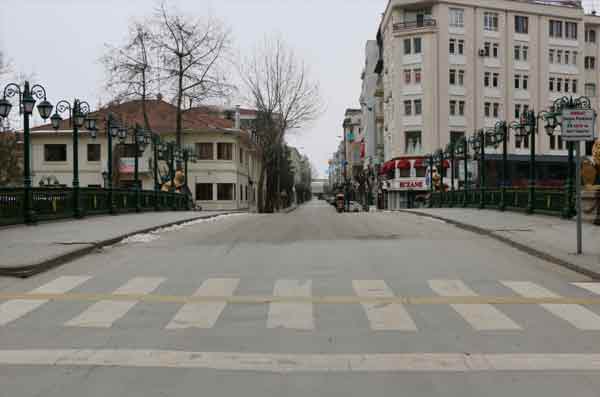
column 291, row 315
column 577, row 315
column 17, row 308
column 204, row 315
column 383, row 317
column 104, row 313
column 482, row 317
column 592, row 287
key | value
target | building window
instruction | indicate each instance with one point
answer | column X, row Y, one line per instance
column 461, row 77
column 567, row 53
column 574, row 57
column 417, row 73
column 452, row 46
column 487, row 109
column 461, row 108
column 517, row 81
column 496, row 47
column 224, row 151
column 413, row 142
column 204, row 151
column 571, row 30
column 407, row 108
column 590, row 89
column 486, row 48
column 93, row 152
column 551, row 84
column 452, row 108
column 590, row 62
column 525, row 84
column 567, row 85
column 521, row 24
column 555, row 29
column 407, row 76
column 241, row 156
column 461, row 47
column 452, row 77
column 525, row 53
column 456, row 136
column 517, row 111
column 55, row 152
column 204, row 191
column 225, row 191
column 559, row 56
column 490, row 21
column 517, row 53
column 496, row 110
column 457, row 17
column 590, row 36
column 417, row 45
column 574, row 86
column 558, row 85
column 407, row 46
column 551, row 56
column 495, row 79
column 418, row 107
column 486, row 79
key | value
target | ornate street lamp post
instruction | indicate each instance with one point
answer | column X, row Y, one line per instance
column 450, row 153
column 461, row 151
column 78, row 117
column 497, row 136
column 27, row 99
column 477, row 142
column 528, row 127
column 112, row 132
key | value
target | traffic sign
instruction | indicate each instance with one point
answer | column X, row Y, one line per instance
column 578, row 125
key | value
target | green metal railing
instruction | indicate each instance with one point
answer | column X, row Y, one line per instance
column 549, row 201
column 51, row 204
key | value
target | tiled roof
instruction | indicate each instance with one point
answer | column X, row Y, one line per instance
column 162, row 117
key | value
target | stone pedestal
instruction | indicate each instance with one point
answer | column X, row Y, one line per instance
column 590, row 204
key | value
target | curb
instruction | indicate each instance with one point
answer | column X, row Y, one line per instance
column 31, row 270
column 521, row 247
column 289, row 209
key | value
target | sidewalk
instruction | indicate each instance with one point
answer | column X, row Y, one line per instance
column 28, row 250
column 549, row 238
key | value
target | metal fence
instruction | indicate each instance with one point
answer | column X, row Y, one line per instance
column 51, row 204
column 551, row 201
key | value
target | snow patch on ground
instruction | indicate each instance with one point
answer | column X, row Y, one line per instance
column 154, row 235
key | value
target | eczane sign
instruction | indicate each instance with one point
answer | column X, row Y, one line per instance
column 578, row 125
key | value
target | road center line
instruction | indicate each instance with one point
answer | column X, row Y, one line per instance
column 299, row 363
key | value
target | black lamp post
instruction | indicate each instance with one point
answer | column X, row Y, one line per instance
column 155, row 153
column 527, row 127
column 189, row 156
column 496, row 136
column 112, row 132
column 477, row 142
column 78, row 117
column 27, row 99
column 450, row 153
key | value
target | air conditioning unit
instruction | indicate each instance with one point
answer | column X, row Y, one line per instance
column 481, row 52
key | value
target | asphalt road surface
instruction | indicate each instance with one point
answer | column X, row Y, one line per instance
column 311, row 303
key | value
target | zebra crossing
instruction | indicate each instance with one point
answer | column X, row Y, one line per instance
column 382, row 308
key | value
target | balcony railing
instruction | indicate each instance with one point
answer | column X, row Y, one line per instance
column 418, row 24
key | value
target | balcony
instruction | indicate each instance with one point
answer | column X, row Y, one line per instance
column 415, row 25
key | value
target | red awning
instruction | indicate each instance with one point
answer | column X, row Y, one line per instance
column 419, row 163
column 403, row 165
column 446, row 164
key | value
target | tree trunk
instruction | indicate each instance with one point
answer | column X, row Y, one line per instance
column 179, row 129
column 259, row 194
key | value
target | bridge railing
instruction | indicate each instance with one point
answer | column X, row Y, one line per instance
column 58, row 203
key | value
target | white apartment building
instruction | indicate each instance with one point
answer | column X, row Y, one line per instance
column 225, row 175
column 450, row 67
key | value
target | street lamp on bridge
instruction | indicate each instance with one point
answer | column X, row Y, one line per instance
column 27, row 100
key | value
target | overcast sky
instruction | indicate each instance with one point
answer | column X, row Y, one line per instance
column 60, row 41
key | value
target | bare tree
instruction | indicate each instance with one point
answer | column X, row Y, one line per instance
column 192, row 59
column 130, row 70
column 10, row 160
column 278, row 84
